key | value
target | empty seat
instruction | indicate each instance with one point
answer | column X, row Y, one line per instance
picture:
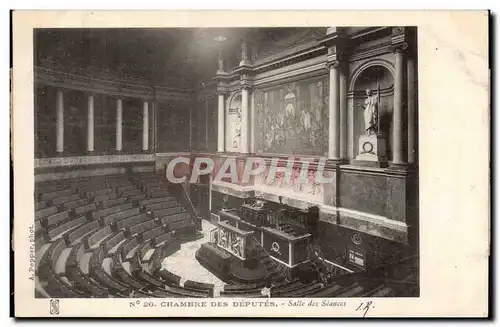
column 74, row 204
column 84, row 209
column 166, row 220
column 136, row 197
column 99, row 192
column 161, row 205
column 80, row 231
column 130, row 221
column 118, row 215
column 40, row 205
column 128, row 246
column 144, row 248
column 66, row 227
column 141, row 227
column 111, row 210
column 56, row 194
column 114, row 240
column 55, row 219
column 38, row 227
column 156, row 200
column 98, row 236
column 162, row 238
column 131, row 192
column 152, row 233
column 112, row 202
column 168, row 211
column 180, row 226
column 105, row 197
column 45, row 212
column 64, row 199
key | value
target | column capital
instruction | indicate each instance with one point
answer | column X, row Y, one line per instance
column 333, row 64
column 399, row 47
column 246, row 86
column 222, row 91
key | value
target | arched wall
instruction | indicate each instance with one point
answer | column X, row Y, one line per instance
column 356, row 96
column 233, row 122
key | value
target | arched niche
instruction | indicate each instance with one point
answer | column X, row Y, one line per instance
column 233, row 123
column 373, row 76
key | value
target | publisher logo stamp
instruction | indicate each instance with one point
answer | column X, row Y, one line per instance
column 54, row 307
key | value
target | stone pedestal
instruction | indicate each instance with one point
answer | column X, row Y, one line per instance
column 372, row 151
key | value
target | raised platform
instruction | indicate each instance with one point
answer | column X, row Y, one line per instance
column 228, row 267
column 247, row 275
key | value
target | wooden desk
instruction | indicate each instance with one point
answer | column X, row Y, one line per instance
column 284, row 248
column 233, row 239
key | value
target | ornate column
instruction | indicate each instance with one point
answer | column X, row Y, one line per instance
column 145, row 126
column 220, row 123
column 219, row 79
column 411, row 109
column 343, row 110
column 252, row 122
column 244, row 119
column 398, row 116
column 90, row 123
column 334, row 43
column 119, row 112
column 334, row 112
column 59, row 122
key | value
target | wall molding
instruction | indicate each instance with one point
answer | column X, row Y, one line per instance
column 110, row 87
column 93, row 160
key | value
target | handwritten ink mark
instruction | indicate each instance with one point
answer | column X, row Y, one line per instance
column 366, row 308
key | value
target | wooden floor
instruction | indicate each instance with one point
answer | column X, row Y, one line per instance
column 184, row 263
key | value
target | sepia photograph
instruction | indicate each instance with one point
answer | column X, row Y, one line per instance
column 236, row 166
column 110, row 223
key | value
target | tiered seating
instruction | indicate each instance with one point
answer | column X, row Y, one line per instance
column 163, row 238
column 80, row 232
column 141, row 227
column 81, row 210
column 108, row 211
column 55, row 194
column 131, row 221
column 90, row 224
column 65, row 227
column 81, row 280
column 98, row 236
column 97, row 272
column 74, row 204
column 112, row 202
column 129, row 246
column 119, row 215
column 66, row 198
column 144, row 249
column 152, row 233
column 47, row 211
column 55, row 219
column 113, row 241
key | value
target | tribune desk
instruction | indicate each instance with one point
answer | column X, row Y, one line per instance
column 233, row 239
column 289, row 250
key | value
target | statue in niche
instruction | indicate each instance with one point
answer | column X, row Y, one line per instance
column 371, row 112
column 237, row 128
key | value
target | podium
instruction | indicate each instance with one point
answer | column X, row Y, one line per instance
column 372, row 151
column 233, row 240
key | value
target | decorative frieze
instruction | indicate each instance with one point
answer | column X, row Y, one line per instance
column 90, row 160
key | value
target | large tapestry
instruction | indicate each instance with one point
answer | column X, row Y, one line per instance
column 293, row 118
